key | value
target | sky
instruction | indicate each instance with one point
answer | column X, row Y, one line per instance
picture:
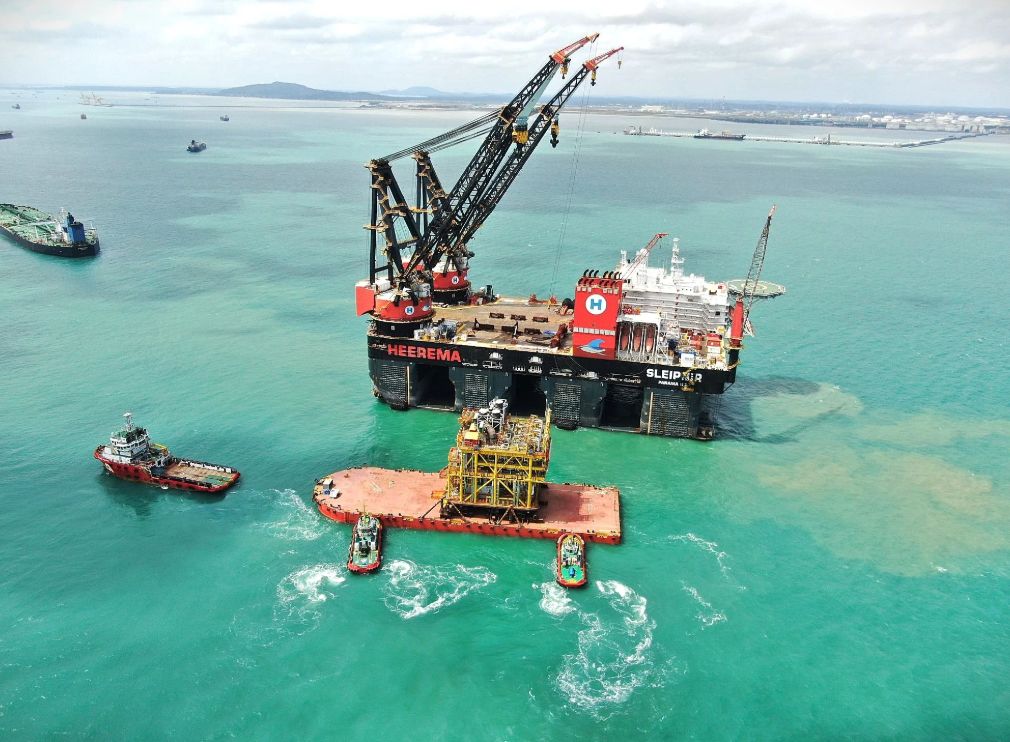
column 925, row 52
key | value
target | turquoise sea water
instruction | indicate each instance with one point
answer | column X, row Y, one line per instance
column 836, row 565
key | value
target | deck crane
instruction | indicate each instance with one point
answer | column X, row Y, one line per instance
column 752, row 288
column 642, row 255
column 418, row 239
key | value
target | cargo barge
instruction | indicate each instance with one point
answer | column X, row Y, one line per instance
column 131, row 455
column 494, row 484
column 43, row 233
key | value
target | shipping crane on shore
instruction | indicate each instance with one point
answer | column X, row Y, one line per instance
column 425, row 256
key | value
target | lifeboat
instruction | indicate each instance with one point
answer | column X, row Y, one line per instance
column 365, row 551
column 650, row 339
column 571, row 564
column 636, row 338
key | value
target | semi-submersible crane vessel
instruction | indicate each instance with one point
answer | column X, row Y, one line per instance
column 638, row 348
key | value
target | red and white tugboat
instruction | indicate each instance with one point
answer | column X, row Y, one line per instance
column 131, row 455
column 365, row 553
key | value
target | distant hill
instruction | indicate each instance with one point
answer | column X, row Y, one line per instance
column 294, row 91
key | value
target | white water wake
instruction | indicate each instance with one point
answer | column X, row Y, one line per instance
column 298, row 522
column 707, row 546
column 414, row 590
column 707, row 615
column 614, row 657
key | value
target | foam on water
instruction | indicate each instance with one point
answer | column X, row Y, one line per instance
column 554, row 599
column 707, row 615
column 613, row 657
column 313, row 584
column 708, row 546
column 298, row 522
column 414, row 590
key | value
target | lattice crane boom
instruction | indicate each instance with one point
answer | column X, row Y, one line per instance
column 545, row 121
column 756, row 264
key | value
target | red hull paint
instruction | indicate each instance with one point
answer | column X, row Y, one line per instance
column 456, row 525
column 136, row 473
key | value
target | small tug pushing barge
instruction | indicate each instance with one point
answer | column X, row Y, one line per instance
column 571, row 564
column 494, row 484
column 130, row 455
column 365, row 552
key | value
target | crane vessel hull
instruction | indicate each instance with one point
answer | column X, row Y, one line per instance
column 637, row 396
column 639, row 349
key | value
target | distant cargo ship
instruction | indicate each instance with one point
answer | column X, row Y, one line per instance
column 195, row 146
column 43, row 233
column 6, row 134
column 706, row 134
column 130, row 455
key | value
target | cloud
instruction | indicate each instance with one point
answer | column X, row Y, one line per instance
column 297, row 22
column 927, row 51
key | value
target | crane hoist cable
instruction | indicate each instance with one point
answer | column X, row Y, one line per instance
column 571, row 187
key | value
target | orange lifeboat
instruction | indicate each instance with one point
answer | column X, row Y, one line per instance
column 636, row 338
column 624, row 339
column 650, row 339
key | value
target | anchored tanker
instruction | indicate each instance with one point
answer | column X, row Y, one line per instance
column 638, row 348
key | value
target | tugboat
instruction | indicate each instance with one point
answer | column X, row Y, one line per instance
column 365, row 553
column 131, row 455
column 225, row 118
column 16, row 106
column 195, row 146
column 6, row 134
column 571, row 566
column 41, row 232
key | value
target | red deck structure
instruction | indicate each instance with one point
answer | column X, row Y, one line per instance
column 410, row 499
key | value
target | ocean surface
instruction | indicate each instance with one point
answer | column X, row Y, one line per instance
column 835, row 565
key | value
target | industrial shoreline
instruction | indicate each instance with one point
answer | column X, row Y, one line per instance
column 828, row 140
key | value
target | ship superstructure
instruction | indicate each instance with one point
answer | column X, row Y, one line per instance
column 667, row 315
column 131, row 455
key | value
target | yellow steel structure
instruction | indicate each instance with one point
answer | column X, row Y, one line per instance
column 503, row 471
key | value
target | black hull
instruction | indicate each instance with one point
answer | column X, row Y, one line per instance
column 62, row 251
column 582, row 392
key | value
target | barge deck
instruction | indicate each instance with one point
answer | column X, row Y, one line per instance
column 410, row 499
